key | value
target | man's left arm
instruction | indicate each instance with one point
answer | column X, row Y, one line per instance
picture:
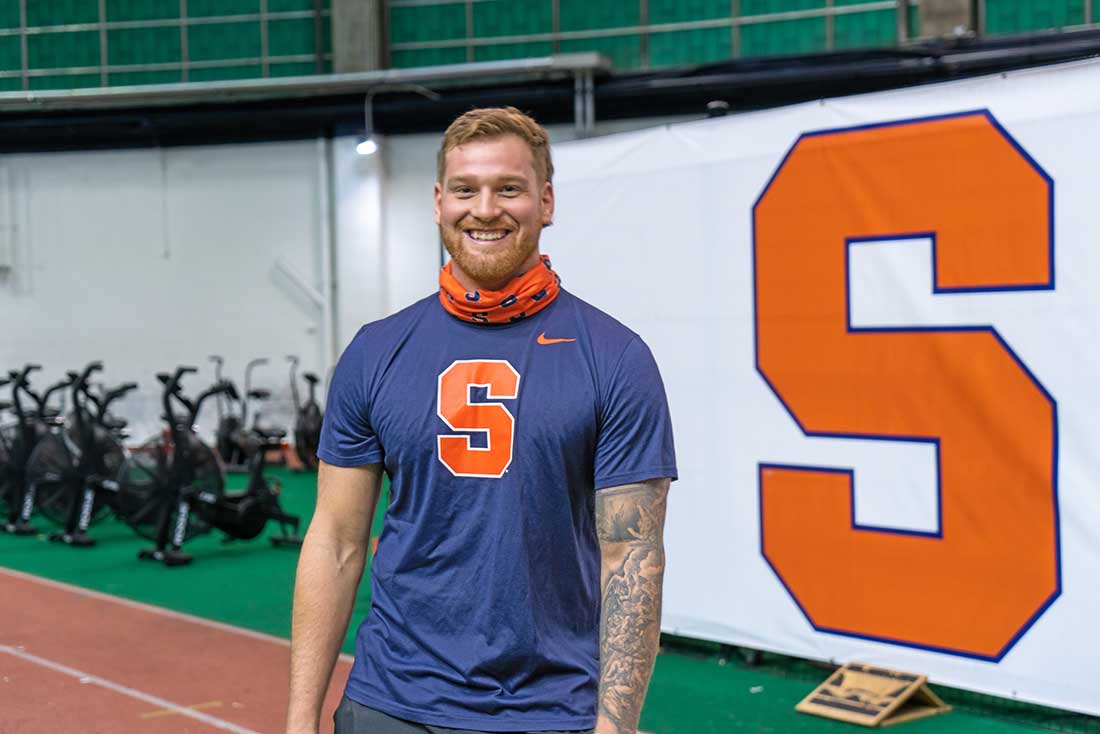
column 630, row 523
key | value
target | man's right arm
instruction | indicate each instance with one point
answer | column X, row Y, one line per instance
column 330, row 566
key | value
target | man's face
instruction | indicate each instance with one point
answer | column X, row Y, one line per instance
column 491, row 207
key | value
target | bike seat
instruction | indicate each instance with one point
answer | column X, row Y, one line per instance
column 311, row 378
column 269, row 434
column 114, row 424
column 259, row 394
column 4, row 405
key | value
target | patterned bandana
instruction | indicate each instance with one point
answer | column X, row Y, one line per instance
column 523, row 296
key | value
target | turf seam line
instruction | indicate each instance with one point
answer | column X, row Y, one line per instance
column 152, row 609
column 127, row 691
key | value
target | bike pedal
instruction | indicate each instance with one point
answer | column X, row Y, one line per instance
column 76, row 540
column 20, row 528
column 176, row 558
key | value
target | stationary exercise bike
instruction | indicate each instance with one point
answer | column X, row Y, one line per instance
column 183, row 480
column 72, row 474
column 234, row 443
column 307, row 424
column 20, row 439
column 229, row 422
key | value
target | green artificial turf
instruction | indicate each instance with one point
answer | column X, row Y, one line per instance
column 250, row 584
column 244, row 583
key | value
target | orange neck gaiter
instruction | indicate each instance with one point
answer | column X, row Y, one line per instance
column 523, row 296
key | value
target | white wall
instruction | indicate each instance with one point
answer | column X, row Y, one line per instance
column 151, row 258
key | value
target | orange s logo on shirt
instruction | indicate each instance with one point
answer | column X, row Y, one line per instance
column 974, row 585
column 492, row 419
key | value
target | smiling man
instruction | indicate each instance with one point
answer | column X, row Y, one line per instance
column 517, row 581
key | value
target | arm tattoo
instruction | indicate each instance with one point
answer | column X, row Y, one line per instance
column 630, row 522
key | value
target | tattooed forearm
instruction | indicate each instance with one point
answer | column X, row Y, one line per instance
column 630, row 522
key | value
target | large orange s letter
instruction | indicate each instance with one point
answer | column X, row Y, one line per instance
column 976, row 584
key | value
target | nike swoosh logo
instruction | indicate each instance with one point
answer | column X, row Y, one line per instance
column 543, row 340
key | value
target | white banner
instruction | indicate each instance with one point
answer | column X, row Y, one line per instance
column 876, row 318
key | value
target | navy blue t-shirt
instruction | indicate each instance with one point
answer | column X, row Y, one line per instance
column 485, row 588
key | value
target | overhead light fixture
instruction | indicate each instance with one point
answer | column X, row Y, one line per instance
column 368, row 145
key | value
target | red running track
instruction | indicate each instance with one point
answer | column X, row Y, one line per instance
column 73, row 660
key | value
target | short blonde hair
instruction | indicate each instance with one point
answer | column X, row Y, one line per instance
column 494, row 122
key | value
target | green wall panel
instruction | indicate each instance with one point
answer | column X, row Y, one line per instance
column 130, row 78
column 221, row 73
column 500, row 51
column 427, row 57
column 291, row 68
column 427, row 23
column 127, row 46
column 624, row 51
column 676, row 11
column 286, row 6
column 783, row 37
column 206, row 8
column 58, row 50
column 213, row 41
column 761, row 7
column 862, row 30
column 59, row 12
column 679, row 48
column 64, row 81
column 512, row 17
column 9, row 14
column 10, row 84
column 11, row 53
column 581, row 15
column 1020, row 16
column 290, row 37
column 120, row 10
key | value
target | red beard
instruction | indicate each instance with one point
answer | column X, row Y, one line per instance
column 499, row 264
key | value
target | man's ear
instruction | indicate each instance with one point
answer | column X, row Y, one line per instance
column 547, row 204
column 438, row 200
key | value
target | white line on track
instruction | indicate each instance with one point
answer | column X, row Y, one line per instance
column 126, row 691
column 81, row 591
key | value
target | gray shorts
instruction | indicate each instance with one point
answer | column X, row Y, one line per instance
column 355, row 718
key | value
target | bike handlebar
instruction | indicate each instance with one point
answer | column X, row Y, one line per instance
column 110, row 396
column 172, row 390
column 91, row 369
column 230, row 389
column 45, row 397
column 21, row 376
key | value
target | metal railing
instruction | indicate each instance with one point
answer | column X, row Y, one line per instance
column 183, row 23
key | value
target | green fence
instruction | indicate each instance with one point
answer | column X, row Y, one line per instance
column 1021, row 16
column 635, row 33
column 52, row 44
column 64, row 44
